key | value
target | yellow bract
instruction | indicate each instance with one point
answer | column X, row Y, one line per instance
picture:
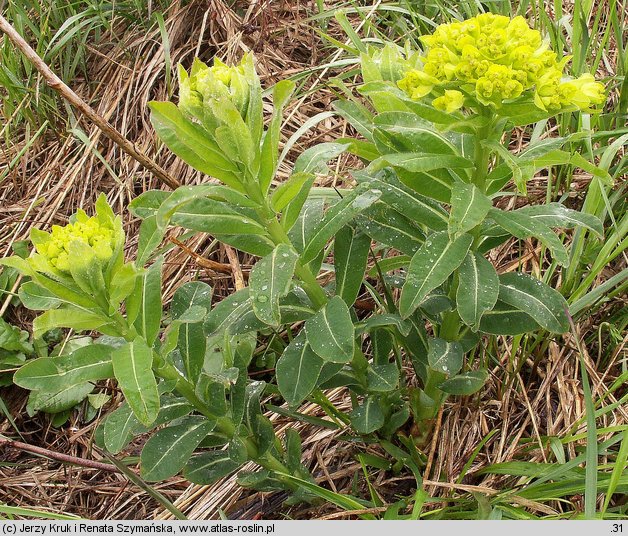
column 493, row 59
column 56, row 247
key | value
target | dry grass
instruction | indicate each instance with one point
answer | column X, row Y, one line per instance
column 60, row 174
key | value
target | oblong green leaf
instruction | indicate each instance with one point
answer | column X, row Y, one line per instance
column 208, row 467
column 330, row 332
column 505, row 319
column 336, row 218
column 396, row 195
column 430, row 267
column 298, row 370
column 50, row 374
column 144, row 305
column 132, row 366
column 469, row 207
column 541, row 302
column 478, row 288
column 558, row 215
column 368, row 416
column 523, row 226
column 384, row 224
column 214, row 217
column 270, row 280
column 351, row 250
column 445, row 356
column 167, row 451
column 466, row 383
column 191, row 143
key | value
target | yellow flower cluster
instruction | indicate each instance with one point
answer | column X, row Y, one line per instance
column 205, row 83
column 56, row 247
column 493, row 59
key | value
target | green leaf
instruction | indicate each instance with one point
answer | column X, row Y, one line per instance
column 62, row 400
column 408, row 132
column 208, row 467
column 421, row 162
column 445, row 356
column 146, row 204
column 544, row 304
column 167, row 452
column 396, row 195
column 121, row 425
column 144, row 305
column 436, row 184
column 469, row 207
column 191, row 339
column 214, row 217
column 430, row 267
column 288, row 190
column 191, row 143
column 270, row 280
column 351, row 250
column 478, row 289
column 132, row 366
column 506, row 319
column 523, row 226
column 304, row 222
column 314, row 159
column 330, row 333
column 232, row 315
column 70, row 317
column 297, row 370
column 368, row 416
column 386, row 225
column 51, row 374
column 557, row 215
column 86, row 270
column 336, row 218
column 383, row 378
column 466, row 383
column 282, row 91
column 357, row 115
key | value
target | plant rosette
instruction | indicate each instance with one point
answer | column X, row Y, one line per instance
column 413, row 233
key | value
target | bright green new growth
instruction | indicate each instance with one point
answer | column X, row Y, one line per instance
column 494, row 59
column 55, row 246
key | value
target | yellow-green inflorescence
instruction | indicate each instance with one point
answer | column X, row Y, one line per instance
column 491, row 59
column 213, row 83
column 55, row 246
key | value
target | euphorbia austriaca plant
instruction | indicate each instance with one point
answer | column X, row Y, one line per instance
column 423, row 211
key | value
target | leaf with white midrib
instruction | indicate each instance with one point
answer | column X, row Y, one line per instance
column 270, row 280
column 336, row 218
column 445, row 356
column 478, row 288
column 469, row 207
column 297, row 370
column 523, row 226
column 166, row 452
column 132, row 366
column 544, row 304
column 430, row 267
column 330, row 332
